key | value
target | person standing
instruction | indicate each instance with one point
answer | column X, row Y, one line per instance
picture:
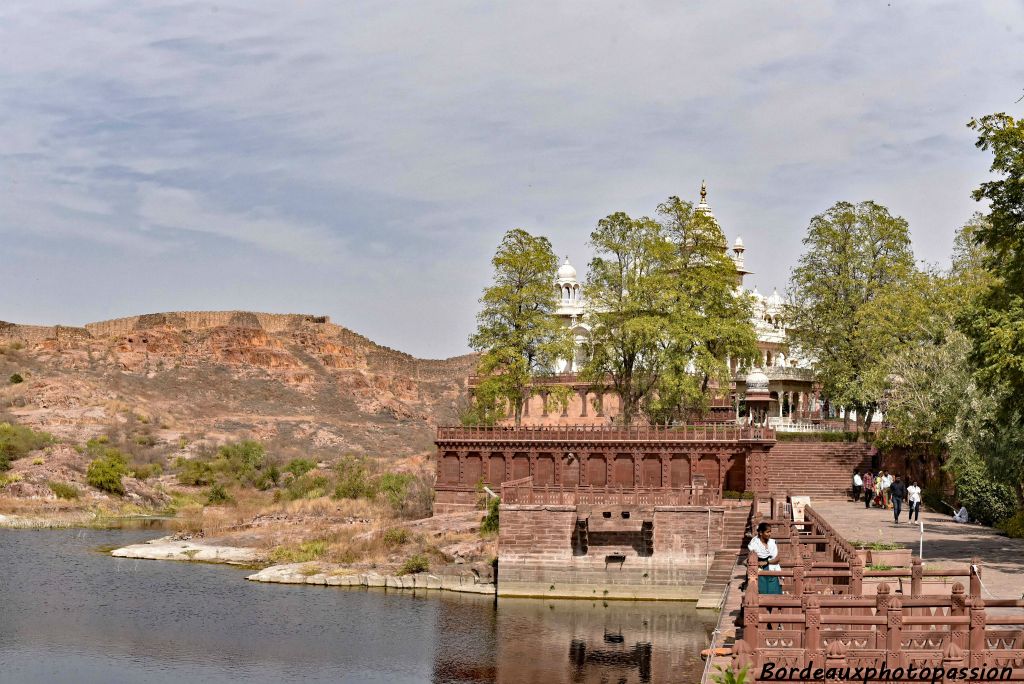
column 857, row 484
column 913, row 501
column 869, row 489
column 767, row 560
column 898, row 492
column 883, row 488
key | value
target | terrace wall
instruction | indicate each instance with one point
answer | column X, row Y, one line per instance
column 540, row 554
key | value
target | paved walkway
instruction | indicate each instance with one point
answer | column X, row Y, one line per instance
column 945, row 542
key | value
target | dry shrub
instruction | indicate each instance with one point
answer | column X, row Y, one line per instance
column 190, row 519
column 325, row 507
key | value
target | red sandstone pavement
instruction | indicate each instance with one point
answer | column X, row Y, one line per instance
column 945, row 542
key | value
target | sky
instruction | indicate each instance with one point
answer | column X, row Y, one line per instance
column 362, row 159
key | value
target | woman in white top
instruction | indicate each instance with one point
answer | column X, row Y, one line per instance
column 914, row 500
column 767, row 555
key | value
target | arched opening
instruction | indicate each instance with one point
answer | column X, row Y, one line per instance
column 570, row 471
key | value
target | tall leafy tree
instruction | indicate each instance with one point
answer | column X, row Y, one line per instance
column 518, row 334
column 996, row 323
column 709, row 315
column 934, row 402
column 667, row 311
column 854, row 301
column 628, row 287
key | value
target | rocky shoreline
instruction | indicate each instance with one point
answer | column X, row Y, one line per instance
column 338, row 576
column 169, row 548
column 313, row 572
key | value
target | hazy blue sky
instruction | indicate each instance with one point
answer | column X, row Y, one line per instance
column 362, row 159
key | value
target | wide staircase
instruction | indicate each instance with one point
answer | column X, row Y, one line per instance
column 734, row 542
column 820, row 470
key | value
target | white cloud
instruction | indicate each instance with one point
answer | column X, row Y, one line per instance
column 403, row 138
column 174, row 209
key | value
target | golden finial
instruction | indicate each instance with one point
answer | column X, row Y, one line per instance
column 703, row 192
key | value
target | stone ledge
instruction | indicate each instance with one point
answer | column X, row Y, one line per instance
column 166, row 548
column 631, row 592
column 313, row 573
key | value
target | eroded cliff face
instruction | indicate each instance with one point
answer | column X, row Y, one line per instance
column 297, row 380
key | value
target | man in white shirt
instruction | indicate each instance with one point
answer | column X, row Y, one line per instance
column 913, row 501
column 858, row 482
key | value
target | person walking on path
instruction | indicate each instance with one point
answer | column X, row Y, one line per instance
column 898, row 492
column 883, row 487
column 857, row 484
column 869, row 489
column 913, row 501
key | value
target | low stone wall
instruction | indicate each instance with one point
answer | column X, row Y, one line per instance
column 540, row 553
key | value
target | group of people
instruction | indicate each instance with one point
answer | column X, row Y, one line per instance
column 886, row 491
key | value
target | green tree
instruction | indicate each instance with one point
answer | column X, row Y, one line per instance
column 855, row 301
column 629, row 290
column 995, row 323
column 518, row 334
column 709, row 318
column 930, row 379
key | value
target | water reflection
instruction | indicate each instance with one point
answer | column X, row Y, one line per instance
column 572, row 641
column 71, row 614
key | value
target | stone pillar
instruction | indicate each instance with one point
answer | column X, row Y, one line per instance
column 856, row 576
column 526, row 403
column 751, row 608
column 584, row 459
column 600, row 403
column 894, row 634
column 976, row 640
column 958, row 607
column 637, row 472
column 975, row 579
column 507, row 455
column 583, row 408
column 533, row 463
column 544, row 398
column 609, row 469
column 812, row 628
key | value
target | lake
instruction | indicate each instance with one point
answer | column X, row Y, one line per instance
column 70, row 613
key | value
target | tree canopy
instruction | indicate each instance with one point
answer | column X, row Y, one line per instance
column 665, row 310
column 995, row 323
column 856, row 298
column 518, row 334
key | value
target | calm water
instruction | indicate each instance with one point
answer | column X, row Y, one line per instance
column 69, row 613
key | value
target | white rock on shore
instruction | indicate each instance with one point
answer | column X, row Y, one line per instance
column 167, row 548
column 313, row 573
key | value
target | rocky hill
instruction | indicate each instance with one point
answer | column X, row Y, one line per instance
column 296, row 382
